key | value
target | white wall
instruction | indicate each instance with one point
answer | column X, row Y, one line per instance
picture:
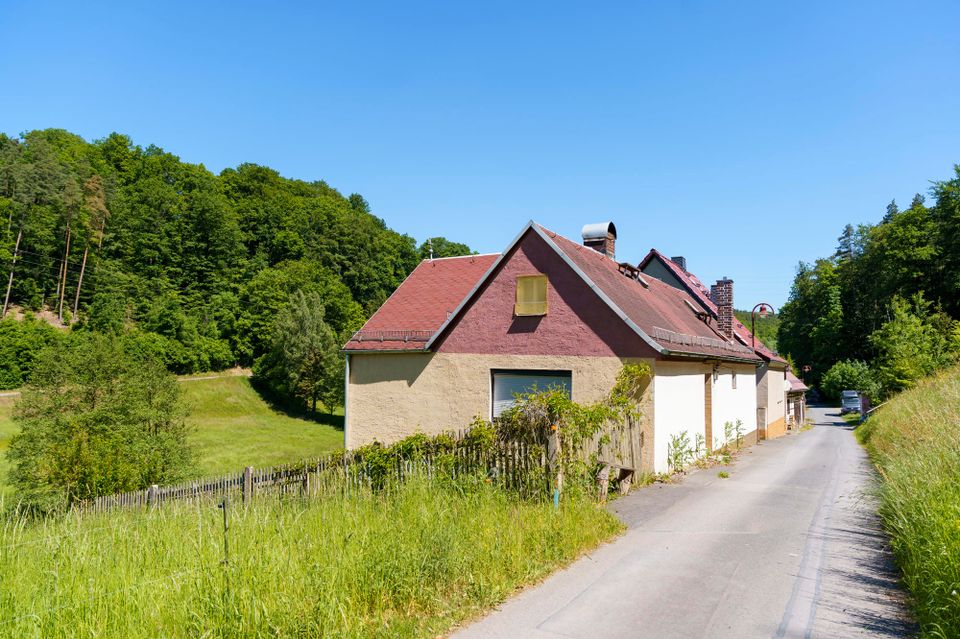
column 678, row 405
column 731, row 404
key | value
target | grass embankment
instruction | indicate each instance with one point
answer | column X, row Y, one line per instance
column 233, row 426
column 915, row 442
column 410, row 563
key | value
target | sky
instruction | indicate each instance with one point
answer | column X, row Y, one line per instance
column 741, row 135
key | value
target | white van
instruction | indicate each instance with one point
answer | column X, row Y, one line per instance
column 849, row 402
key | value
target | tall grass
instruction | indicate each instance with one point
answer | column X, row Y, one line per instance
column 409, row 562
column 915, row 442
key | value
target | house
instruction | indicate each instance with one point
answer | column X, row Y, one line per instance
column 771, row 380
column 461, row 335
column 796, row 401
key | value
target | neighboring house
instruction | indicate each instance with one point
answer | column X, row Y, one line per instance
column 461, row 335
column 718, row 304
column 796, row 401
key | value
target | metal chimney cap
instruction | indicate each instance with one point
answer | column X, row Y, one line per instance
column 598, row 230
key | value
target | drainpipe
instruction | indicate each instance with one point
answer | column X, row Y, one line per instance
column 346, row 403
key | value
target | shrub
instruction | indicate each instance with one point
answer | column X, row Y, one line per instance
column 95, row 420
column 849, row 375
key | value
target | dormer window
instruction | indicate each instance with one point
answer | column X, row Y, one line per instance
column 531, row 296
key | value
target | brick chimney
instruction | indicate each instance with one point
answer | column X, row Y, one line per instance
column 601, row 237
column 722, row 295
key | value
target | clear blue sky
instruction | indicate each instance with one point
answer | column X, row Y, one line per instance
column 743, row 135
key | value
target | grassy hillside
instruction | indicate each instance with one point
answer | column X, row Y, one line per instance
column 915, row 442
column 232, row 425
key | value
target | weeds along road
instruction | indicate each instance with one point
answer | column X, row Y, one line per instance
column 789, row 546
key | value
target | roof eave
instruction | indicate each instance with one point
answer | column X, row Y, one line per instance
column 725, row 358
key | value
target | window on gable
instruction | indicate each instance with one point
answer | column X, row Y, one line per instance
column 531, row 295
column 733, row 379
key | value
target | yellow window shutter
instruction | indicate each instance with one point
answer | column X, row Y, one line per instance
column 531, row 295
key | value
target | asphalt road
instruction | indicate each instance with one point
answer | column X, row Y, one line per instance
column 788, row 546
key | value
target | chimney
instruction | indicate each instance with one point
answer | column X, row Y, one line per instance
column 601, row 237
column 680, row 261
column 722, row 295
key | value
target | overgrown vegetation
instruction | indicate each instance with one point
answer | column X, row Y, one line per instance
column 125, row 238
column 549, row 417
column 915, row 443
column 406, row 562
column 95, row 419
column 889, row 296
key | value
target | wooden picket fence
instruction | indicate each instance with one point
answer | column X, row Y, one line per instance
column 513, row 465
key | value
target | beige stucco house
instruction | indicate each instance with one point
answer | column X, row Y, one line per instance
column 461, row 335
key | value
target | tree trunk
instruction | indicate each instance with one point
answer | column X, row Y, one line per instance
column 13, row 264
column 63, row 286
column 83, row 267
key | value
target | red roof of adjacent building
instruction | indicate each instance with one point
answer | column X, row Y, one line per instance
column 421, row 304
column 796, row 386
column 698, row 290
column 425, row 303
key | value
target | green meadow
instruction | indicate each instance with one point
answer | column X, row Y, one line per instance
column 233, row 426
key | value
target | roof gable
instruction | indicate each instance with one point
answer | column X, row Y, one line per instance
column 577, row 322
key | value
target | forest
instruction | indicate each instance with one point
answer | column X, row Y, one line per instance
column 882, row 311
column 199, row 270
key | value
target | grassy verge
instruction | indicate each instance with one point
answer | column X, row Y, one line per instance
column 915, row 442
column 408, row 564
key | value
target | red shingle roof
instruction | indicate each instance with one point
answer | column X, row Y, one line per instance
column 667, row 317
column 421, row 304
column 796, row 386
column 661, row 311
column 702, row 294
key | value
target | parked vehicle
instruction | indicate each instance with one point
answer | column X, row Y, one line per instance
column 849, row 402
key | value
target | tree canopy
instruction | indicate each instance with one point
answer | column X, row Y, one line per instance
column 133, row 238
column 888, row 295
column 96, row 418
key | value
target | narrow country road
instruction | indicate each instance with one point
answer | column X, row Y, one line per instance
column 789, row 546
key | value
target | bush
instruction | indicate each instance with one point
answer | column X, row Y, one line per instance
column 849, row 375
column 96, row 420
column 20, row 344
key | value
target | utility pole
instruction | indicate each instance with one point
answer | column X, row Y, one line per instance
column 13, row 264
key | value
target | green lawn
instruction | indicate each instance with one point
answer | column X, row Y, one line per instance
column 233, row 427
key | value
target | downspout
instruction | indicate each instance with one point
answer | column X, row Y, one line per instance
column 346, row 404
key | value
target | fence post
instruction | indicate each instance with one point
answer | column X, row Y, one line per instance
column 247, row 484
column 555, row 476
column 152, row 495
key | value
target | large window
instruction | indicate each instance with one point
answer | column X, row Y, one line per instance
column 531, row 295
column 507, row 383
